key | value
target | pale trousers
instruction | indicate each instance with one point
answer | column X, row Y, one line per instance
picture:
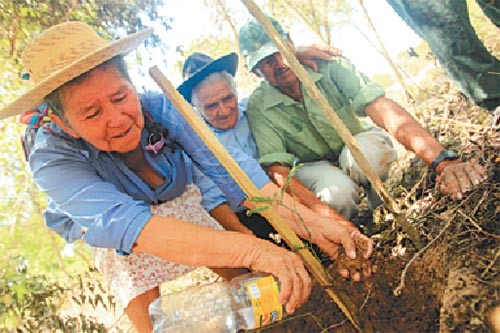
column 339, row 187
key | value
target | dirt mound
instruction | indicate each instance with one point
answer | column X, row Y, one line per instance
column 452, row 283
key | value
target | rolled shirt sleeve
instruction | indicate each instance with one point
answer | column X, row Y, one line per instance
column 287, row 130
column 112, row 218
column 101, row 194
column 353, row 84
column 61, row 224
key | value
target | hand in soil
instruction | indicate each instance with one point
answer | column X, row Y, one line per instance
column 344, row 243
column 364, row 244
column 456, row 178
column 360, row 267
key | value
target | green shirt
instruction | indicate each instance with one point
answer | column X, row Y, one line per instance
column 286, row 130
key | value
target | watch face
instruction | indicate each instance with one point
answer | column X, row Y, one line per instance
column 450, row 154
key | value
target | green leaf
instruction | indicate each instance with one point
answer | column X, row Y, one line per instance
column 260, row 199
column 256, row 210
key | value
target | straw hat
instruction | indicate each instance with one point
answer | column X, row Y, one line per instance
column 61, row 53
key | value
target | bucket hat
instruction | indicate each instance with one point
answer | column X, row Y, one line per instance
column 199, row 65
column 255, row 44
column 62, row 53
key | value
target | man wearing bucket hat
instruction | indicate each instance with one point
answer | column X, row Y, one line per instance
column 210, row 87
column 121, row 165
column 288, row 126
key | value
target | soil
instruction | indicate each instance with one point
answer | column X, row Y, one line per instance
column 451, row 285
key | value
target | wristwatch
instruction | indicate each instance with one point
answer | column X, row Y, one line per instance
column 444, row 155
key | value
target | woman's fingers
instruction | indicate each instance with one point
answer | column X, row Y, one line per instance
column 298, row 285
column 288, row 268
column 357, row 269
column 363, row 243
column 296, row 299
column 347, row 242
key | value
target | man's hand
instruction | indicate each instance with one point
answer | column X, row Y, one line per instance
column 455, row 178
column 328, row 235
column 308, row 55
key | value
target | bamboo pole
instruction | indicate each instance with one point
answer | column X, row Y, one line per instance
column 334, row 120
column 246, row 184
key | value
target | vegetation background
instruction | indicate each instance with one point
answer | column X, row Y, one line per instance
column 47, row 285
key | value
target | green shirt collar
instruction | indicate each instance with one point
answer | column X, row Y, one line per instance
column 274, row 97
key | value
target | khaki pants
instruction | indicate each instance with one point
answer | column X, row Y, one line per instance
column 339, row 187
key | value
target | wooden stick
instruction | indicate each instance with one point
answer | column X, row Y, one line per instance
column 288, row 235
column 333, row 119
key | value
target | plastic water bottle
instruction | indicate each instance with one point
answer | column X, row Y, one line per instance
column 247, row 302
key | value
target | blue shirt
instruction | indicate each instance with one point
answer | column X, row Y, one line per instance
column 239, row 136
column 96, row 190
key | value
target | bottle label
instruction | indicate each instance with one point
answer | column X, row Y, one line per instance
column 263, row 293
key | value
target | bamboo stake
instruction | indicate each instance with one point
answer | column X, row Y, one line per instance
column 288, row 235
column 334, row 120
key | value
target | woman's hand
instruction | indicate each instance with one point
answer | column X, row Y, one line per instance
column 325, row 210
column 287, row 267
column 361, row 267
column 185, row 243
column 353, row 262
column 329, row 233
column 308, row 55
column 456, row 177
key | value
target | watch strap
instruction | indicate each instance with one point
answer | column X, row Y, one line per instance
column 444, row 155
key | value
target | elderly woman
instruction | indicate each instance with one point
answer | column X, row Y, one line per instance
column 126, row 169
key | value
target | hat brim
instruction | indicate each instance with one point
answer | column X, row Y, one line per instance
column 36, row 95
column 227, row 63
column 263, row 52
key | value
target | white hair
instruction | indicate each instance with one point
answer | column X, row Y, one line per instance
column 211, row 79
